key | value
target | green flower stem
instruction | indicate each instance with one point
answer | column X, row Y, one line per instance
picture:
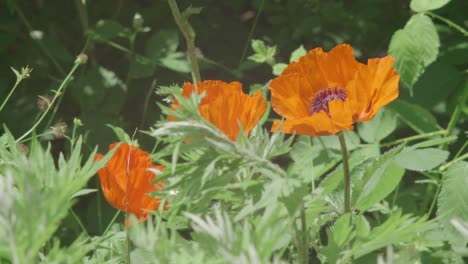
column 77, row 219
column 347, row 176
column 111, row 222
column 18, row 81
column 252, row 29
column 448, row 22
column 78, row 62
column 189, row 35
column 413, row 138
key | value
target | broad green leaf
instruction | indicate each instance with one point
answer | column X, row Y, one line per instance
column 177, row 62
column 278, row 68
column 371, row 176
column 414, row 47
column 382, row 125
column 452, row 201
column 107, row 30
column 421, row 159
column 427, row 5
column 382, row 182
column 297, row 54
column 415, row 116
column 438, row 81
column 162, row 43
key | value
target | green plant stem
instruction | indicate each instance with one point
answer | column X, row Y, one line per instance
column 434, row 200
column 305, row 237
column 347, row 176
column 57, row 94
column 18, row 81
column 78, row 220
column 252, row 29
column 39, row 42
column 412, row 138
column 111, row 222
column 189, row 35
column 146, row 104
column 448, row 164
column 83, row 15
column 448, row 22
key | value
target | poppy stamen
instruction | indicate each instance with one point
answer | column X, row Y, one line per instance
column 322, row 98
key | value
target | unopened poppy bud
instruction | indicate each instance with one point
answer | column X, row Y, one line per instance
column 59, row 130
column 82, row 58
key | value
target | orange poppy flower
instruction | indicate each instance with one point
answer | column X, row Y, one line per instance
column 326, row 92
column 126, row 180
column 226, row 106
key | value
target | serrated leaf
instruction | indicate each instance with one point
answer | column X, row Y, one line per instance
column 382, row 182
column 177, row 62
column 421, row 159
column 297, row 54
column 382, row 125
column 371, row 176
column 415, row 116
column 162, row 43
column 427, row 5
column 278, row 68
column 452, row 201
column 414, row 47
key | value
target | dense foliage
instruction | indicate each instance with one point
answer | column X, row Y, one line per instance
column 79, row 75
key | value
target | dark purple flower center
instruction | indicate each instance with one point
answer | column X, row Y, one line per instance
column 322, row 98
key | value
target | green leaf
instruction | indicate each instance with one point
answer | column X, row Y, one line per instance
column 107, row 30
column 141, row 68
column 177, row 62
column 297, row 54
column 415, row 116
column 83, row 192
column 438, row 81
column 414, row 47
column 452, row 201
column 122, row 136
column 375, row 179
column 382, row 125
column 421, row 159
column 382, row 182
column 263, row 53
column 162, row 43
column 278, row 68
column 427, row 5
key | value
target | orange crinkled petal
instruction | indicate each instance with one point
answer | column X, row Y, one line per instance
column 126, row 180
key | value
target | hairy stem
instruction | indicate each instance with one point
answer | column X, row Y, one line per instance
column 347, row 176
column 189, row 35
column 78, row 62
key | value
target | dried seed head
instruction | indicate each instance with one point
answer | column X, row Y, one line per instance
column 43, row 102
column 59, row 130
